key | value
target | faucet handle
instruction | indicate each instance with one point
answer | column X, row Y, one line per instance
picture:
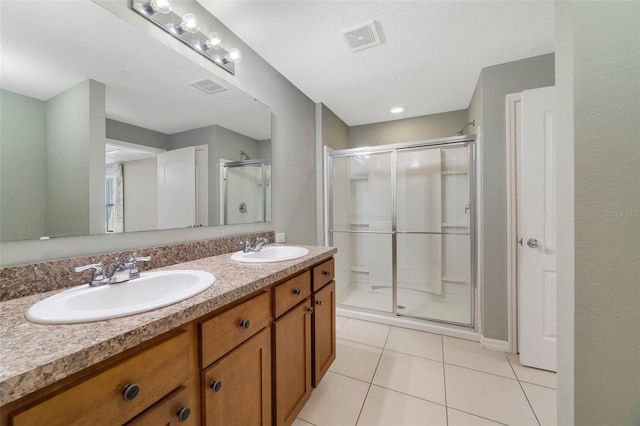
column 98, row 267
column 98, row 277
column 133, row 267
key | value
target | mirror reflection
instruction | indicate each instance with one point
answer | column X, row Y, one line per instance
column 106, row 130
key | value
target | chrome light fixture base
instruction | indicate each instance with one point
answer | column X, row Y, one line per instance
column 171, row 23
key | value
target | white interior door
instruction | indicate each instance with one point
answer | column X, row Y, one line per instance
column 177, row 188
column 537, row 231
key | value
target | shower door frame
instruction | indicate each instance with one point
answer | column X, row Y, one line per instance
column 225, row 193
column 468, row 140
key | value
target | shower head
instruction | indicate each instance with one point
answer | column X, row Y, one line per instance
column 461, row 131
column 244, row 156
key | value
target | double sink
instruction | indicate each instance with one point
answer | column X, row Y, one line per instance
column 151, row 291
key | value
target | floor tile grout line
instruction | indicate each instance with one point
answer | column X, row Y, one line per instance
column 360, row 343
column 372, row 377
column 529, row 381
column 481, row 371
column 364, row 401
column 476, row 415
column 444, row 378
column 417, row 356
column 523, row 391
column 351, row 377
column 409, row 395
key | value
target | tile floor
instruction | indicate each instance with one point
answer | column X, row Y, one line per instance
column 391, row 376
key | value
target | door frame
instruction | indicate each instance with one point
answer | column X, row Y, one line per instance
column 513, row 103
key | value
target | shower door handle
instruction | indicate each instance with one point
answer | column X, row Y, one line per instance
column 467, row 208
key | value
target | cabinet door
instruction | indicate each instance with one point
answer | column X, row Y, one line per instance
column 292, row 338
column 324, row 330
column 236, row 390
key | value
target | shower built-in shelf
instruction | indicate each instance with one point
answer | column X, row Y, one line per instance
column 359, row 224
column 454, row 172
column 461, row 280
column 455, row 225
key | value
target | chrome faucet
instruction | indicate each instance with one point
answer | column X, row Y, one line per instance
column 248, row 246
column 122, row 272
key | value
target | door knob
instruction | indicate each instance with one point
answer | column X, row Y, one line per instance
column 533, row 243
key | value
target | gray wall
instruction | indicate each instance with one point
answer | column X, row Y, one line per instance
column 75, row 160
column 602, row 41
column 222, row 143
column 408, row 130
column 134, row 134
column 335, row 133
column 22, row 166
column 498, row 81
column 293, row 157
column 565, row 214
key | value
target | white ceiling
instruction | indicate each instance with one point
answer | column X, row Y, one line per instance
column 47, row 47
column 430, row 60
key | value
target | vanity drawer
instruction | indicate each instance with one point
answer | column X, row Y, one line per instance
column 148, row 376
column 291, row 292
column 227, row 330
column 180, row 407
column 323, row 274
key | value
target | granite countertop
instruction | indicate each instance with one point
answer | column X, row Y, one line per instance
column 33, row 356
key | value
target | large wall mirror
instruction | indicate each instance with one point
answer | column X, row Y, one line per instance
column 105, row 129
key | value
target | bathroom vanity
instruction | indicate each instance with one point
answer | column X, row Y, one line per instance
column 247, row 351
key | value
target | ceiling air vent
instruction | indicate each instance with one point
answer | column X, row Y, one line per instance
column 362, row 37
column 208, row 86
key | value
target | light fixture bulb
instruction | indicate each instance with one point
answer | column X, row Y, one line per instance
column 234, row 55
column 189, row 24
column 397, row 110
column 162, row 6
column 214, row 41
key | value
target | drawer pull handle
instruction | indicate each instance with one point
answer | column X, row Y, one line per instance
column 309, row 309
column 318, row 302
column 296, row 291
column 326, row 273
column 130, row 391
column 245, row 324
column 183, row 413
column 215, row 385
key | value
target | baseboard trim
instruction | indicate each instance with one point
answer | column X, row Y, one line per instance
column 495, row 344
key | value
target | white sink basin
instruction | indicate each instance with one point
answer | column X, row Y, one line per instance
column 151, row 291
column 270, row 254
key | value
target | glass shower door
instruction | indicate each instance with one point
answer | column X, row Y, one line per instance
column 361, row 228
column 433, row 224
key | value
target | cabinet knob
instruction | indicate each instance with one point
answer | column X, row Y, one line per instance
column 309, row 309
column 130, row 391
column 296, row 291
column 326, row 273
column 245, row 324
column 183, row 413
column 318, row 302
column 215, row 385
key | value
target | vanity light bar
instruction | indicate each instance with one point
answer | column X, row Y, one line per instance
column 187, row 29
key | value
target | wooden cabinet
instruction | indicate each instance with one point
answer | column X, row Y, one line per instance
column 323, row 325
column 225, row 331
column 292, row 338
column 323, row 330
column 180, row 407
column 236, row 358
column 118, row 393
column 236, row 390
column 252, row 364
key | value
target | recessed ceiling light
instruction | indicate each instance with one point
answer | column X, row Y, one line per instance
column 397, row 110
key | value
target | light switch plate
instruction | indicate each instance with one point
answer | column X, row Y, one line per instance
column 280, row 237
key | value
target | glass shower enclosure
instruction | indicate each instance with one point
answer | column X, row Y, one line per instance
column 402, row 219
